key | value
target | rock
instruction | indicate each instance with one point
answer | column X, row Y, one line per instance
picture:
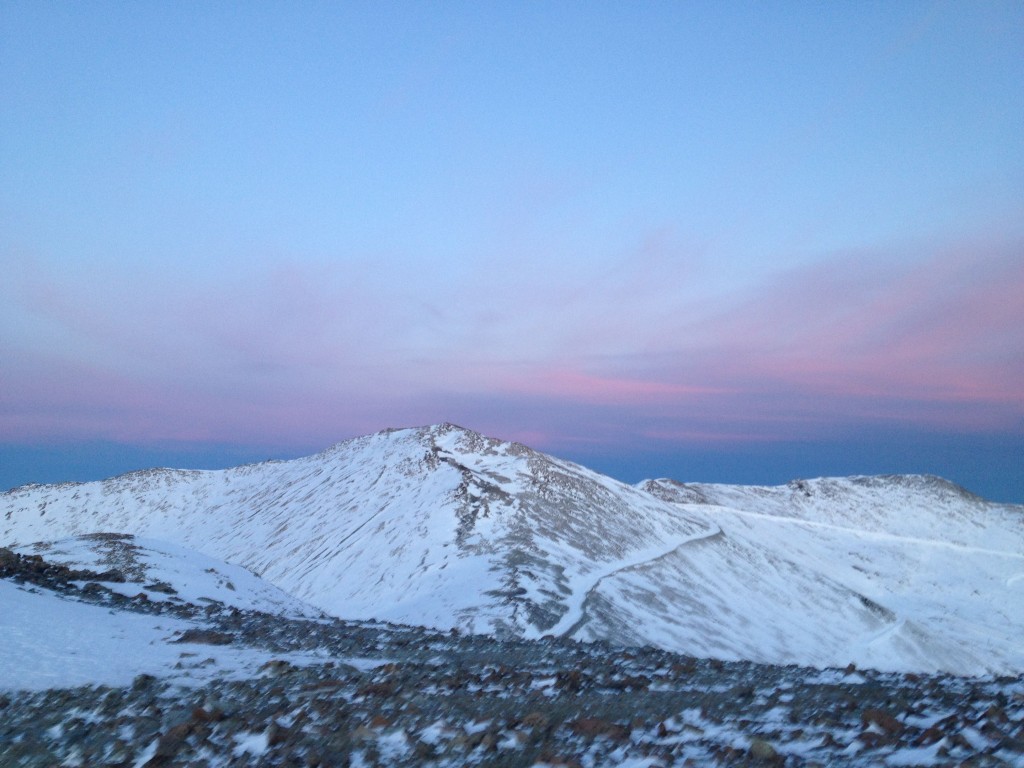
column 996, row 714
column 143, row 681
column 10, row 561
column 424, row 751
column 383, row 688
column 206, row 637
column 570, row 681
column 882, row 719
column 277, row 734
column 536, row 720
column 874, row 740
column 592, row 727
column 683, row 668
column 158, row 586
column 762, row 750
column 1012, row 745
column 929, row 736
column 547, row 758
column 276, row 667
column 637, row 682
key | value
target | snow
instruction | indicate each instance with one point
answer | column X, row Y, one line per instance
column 778, row 589
column 52, row 642
column 364, row 664
column 916, row 756
column 583, row 585
column 194, row 577
column 253, row 744
column 445, row 528
column 147, row 754
column 393, row 746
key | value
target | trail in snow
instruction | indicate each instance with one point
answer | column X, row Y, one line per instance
column 576, row 616
column 384, row 527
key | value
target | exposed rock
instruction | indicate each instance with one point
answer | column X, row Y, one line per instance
column 882, row 719
column 592, row 727
column 763, row 751
column 375, row 694
column 206, row 637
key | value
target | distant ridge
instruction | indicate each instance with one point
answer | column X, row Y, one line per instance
column 444, row 527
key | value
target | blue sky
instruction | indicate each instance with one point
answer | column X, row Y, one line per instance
column 739, row 242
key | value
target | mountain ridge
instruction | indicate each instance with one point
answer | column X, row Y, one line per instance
column 441, row 526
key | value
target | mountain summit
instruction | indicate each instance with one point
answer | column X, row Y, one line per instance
column 443, row 527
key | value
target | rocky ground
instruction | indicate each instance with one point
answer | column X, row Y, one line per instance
column 384, row 695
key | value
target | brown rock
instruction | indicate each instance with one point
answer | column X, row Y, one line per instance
column 882, row 719
column 536, row 720
column 874, row 740
column 276, row 666
column 995, row 714
column 384, row 688
column 592, row 727
column 687, row 667
column 560, row 761
column 929, row 737
column 277, row 734
column 828, row 740
column 571, row 681
column 762, row 750
column 205, row 636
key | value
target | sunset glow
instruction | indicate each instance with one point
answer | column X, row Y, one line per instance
column 648, row 240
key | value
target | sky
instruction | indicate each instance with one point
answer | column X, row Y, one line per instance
column 725, row 242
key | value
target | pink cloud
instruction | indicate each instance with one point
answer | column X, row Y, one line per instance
column 596, row 388
column 294, row 352
column 949, row 327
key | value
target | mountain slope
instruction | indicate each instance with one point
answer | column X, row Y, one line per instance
column 443, row 527
column 391, row 526
column 89, row 677
column 167, row 572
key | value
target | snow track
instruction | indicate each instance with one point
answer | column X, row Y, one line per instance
column 577, row 616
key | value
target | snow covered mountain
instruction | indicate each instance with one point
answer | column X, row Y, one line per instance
column 440, row 526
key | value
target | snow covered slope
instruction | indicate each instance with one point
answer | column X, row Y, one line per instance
column 165, row 571
column 54, row 642
column 892, row 573
column 437, row 526
column 443, row 527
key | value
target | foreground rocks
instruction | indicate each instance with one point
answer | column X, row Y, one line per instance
column 381, row 695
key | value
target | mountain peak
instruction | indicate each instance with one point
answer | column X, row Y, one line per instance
column 444, row 527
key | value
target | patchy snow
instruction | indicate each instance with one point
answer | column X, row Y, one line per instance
column 165, row 571
column 252, row 744
column 916, row 756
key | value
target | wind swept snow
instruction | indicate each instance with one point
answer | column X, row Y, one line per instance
column 443, row 527
column 52, row 642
